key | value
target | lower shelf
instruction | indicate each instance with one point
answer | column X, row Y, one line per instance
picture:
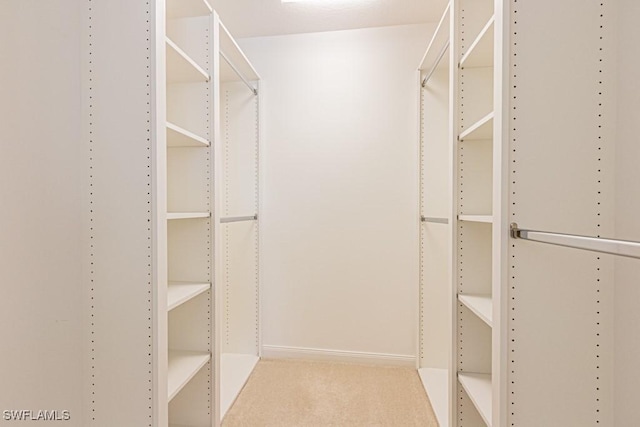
column 234, row 373
column 479, row 390
column 436, row 384
column 183, row 365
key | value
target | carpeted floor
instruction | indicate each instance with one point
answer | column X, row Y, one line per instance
column 286, row 393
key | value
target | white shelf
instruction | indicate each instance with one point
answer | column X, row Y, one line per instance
column 482, row 129
column 187, row 215
column 180, row 292
column 480, row 305
column 179, row 137
column 478, row 388
column 438, row 41
column 187, row 8
column 234, row 373
column 181, row 68
column 183, row 365
column 233, row 52
column 436, row 384
column 487, row 219
column 480, row 53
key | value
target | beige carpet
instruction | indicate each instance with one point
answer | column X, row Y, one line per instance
column 285, row 393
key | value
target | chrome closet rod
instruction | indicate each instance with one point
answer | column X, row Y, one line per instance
column 238, row 219
column 434, row 220
column 235, row 70
column 433, row 69
column 624, row 248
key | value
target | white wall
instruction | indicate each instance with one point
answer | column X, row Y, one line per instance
column 40, row 220
column 339, row 228
column 627, row 291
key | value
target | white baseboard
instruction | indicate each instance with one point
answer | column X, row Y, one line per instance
column 282, row 352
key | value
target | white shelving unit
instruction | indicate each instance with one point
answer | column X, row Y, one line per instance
column 475, row 254
column 188, row 94
column 237, row 243
column 434, row 340
column 513, row 85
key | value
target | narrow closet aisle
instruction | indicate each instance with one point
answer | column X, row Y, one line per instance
column 294, row 393
column 299, row 213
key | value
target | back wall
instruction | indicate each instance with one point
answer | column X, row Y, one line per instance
column 339, row 216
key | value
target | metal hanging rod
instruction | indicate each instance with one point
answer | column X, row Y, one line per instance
column 435, row 65
column 434, row 220
column 238, row 219
column 235, row 70
column 624, row 248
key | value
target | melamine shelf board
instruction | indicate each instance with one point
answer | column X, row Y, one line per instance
column 180, row 137
column 487, row 219
column 183, row 366
column 436, row 384
column 187, row 215
column 480, row 305
column 179, row 293
column 181, row 68
column 234, row 373
column 438, row 41
column 478, row 387
column 480, row 53
column 482, row 129
column 187, row 8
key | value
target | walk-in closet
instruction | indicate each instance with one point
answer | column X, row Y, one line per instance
column 438, row 198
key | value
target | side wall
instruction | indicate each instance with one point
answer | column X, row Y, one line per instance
column 41, row 167
column 339, row 224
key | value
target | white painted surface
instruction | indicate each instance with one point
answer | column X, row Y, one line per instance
column 436, row 384
column 338, row 224
column 254, row 18
column 41, row 174
column 234, row 370
column 561, row 178
column 627, row 289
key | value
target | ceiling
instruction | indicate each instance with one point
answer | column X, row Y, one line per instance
column 253, row 18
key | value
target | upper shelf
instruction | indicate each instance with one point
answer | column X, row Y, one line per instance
column 485, row 219
column 187, row 8
column 180, row 137
column 438, row 41
column 187, row 215
column 234, row 54
column 480, row 305
column 480, row 53
column 482, row 129
column 181, row 68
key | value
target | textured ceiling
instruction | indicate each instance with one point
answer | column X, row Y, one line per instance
column 252, row 18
